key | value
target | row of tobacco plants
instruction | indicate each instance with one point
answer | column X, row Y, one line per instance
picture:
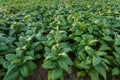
column 65, row 36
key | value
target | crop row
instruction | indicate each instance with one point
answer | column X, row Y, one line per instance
column 65, row 35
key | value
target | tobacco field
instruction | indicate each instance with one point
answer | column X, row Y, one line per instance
column 59, row 39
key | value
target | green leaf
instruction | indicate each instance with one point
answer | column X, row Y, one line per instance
column 5, row 64
column 81, row 55
column 117, row 41
column 83, row 65
column 31, row 65
column 51, row 56
column 104, row 47
column 107, row 38
column 115, row 71
column 38, row 56
column 34, row 45
column 92, row 42
column 64, row 65
column 3, row 46
column 100, row 53
column 89, row 50
column 101, row 70
column 30, row 53
column 10, row 57
column 88, row 60
column 24, row 71
column 81, row 74
column 57, row 73
column 96, row 60
column 117, row 49
column 66, row 59
column 48, row 64
column 77, row 39
column 90, row 29
column 38, row 48
column 12, row 72
column 1, row 59
column 94, row 74
column 54, row 49
column 17, row 61
column 27, row 58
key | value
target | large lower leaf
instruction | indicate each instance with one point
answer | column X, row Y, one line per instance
column 57, row 73
column 64, row 65
column 12, row 72
column 101, row 70
column 96, row 60
column 94, row 75
column 10, row 57
column 3, row 46
column 24, row 71
column 48, row 64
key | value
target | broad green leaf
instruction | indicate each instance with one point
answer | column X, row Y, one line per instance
column 94, row 74
column 77, row 33
column 83, row 65
column 117, row 49
column 5, row 64
column 117, row 41
column 81, row 74
column 3, row 46
column 1, row 59
column 11, row 76
column 90, row 29
column 57, row 73
column 37, row 46
column 24, row 71
column 104, row 47
column 116, row 54
column 12, row 72
column 107, row 38
column 27, row 18
column 31, row 65
column 96, row 60
column 92, row 42
column 34, row 45
column 51, row 56
column 10, row 57
column 82, row 55
column 27, row 58
column 58, row 37
column 87, row 36
column 38, row 56
column 115, row 71
column 100, row 53
column 17, row 61
column 64, row 65
column 89, row 50
column 54, row 50
column 101, row 70
column 107, row 32
column 77, row 39
column 48, row 64
column 88, row 60
column 30, row 53
column 66, row 59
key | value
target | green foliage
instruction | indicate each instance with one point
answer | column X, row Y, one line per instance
column 89, row 31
